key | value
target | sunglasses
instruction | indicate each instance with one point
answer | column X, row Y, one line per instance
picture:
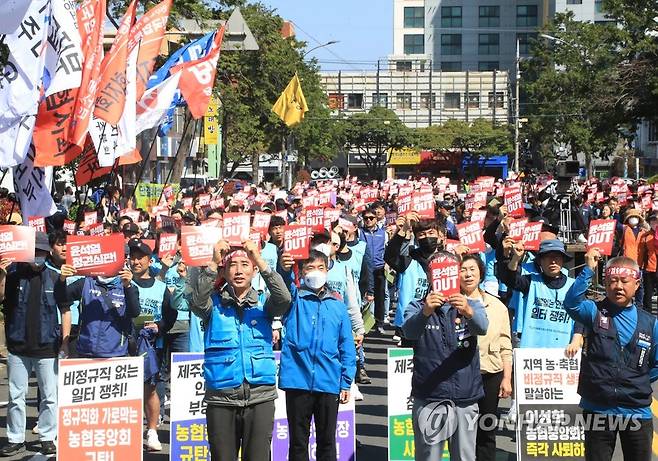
column 368, row 218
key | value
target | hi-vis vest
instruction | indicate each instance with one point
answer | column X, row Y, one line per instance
column 238, row 349
column 270, row 255
column 412, row 284
column 150, row 299
column 545, row 322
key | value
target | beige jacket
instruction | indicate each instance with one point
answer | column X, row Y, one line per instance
column 496, row 346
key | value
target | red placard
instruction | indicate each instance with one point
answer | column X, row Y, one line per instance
column 204, row 200
column 165, row 221
column 514, row 202
column 168, row 194
column 197, row 244
column 17, row 243
column 132, row 214
column 324, row 199
column 423, row 204
column 96, row 229
column 187, row 203
column 531, row 233
column 445, row 276
column 470, row 234
column 297, row 241
column 346, row 225
column 451, row 245
column 38, row 222
column 69, row 227
column 91, row 217
column 168, row 245
column 308, row 201
column 261, row 223
column 314, row 218
column 601, row 235
column 283, row 214
column 479, row 216
column 331, row 215
column 516, row 228
column 256, row 237
column 404, row 204
column 236, row 228
column 475, row 200
column 96, row 255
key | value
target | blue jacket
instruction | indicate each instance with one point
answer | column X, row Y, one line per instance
column 446, row 357
column 318, row 352
column 375, row 245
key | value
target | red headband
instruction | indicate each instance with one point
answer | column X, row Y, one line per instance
column 621, row 271
column 232, row 255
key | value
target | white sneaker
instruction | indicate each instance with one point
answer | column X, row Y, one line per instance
column 152, row 443
column 358, row 396
column 396, row 339
column 35, row 429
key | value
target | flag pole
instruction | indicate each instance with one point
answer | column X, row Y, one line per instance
column 144, row 163
column 180, row 146
column 84, row 200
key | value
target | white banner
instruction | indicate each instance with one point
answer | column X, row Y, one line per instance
column 32, row 186
column 152, row 108
column 127, row 128
column 15, row 141
column 63, row 60
column 12, row 12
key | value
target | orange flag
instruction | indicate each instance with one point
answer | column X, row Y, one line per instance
column 148, row 32
column 198, row 78
column 63, row 118
column 111, row 96
column 88, row 167
column 130, row 158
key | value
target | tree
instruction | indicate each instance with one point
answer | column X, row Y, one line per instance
column 572, row 83
column 372, row 135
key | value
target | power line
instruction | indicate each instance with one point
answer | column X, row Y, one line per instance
column 320, row 43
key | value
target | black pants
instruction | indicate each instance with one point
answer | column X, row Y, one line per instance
column 301, row 406
column 232, row 428
column 380, row 295
column 488, row 405
column 635, row 439
column 649, row 281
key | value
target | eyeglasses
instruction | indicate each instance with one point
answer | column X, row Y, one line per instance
column 336, row 244
column 368, row 218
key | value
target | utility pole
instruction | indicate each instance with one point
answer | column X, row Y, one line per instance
column 517, row 77
column 431, row 96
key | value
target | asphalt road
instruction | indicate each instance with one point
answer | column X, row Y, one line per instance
column 371, row 414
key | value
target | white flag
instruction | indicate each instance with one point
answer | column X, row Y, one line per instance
column 20, row 79
column 63, row 61
column 15, row 140
column 106, row 140
column 152, row 108
column 32, row 186
column 12, row 13
column 127, row 133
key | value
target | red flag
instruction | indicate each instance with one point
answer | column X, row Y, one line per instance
column 148, row 32
column 198, row 78
column 88, row 167
column 111, row 96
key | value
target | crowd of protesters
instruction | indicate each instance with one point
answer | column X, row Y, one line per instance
column 366, row 275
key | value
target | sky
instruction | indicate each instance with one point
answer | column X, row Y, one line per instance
column 364, row 29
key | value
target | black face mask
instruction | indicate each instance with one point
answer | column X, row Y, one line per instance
column 428, row 245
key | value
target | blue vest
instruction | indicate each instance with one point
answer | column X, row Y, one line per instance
column 150, row 299
column 104, row 327
column 545, row 322
column 196, row 334
column 412, row 284
column 337, row 278
column 238, row 349
column 75, row 305
column 444, row 367
column 270, row 255
column 354, row 263
column 612, row 376
column 50, row 332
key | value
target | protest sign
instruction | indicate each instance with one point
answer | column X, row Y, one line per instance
column 96, row 229
column 38, row 222
column 601, row 235
column 197, row 244
column 423, row 204
column 168, row 245
column 470, row 234
column 400, row 367
column 235, row 228
column 17, row 243
column 451, row 245
column 404, row 204
column 91, row 217
column 189, row 433
column 479, row 216
column 296, row 241
column 513, row 199
column 96, row 255
column 314, row 218
column 346, row 225
column 261, row 223
column 445, row 276
column 549, row 420
column 99, row 407
column 69, row 227
column 516, row 228
column 531, row 236
column 204, row 200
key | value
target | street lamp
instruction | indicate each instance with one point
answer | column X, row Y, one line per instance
column 332, row 42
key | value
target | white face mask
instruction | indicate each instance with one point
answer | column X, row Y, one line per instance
column 324, row 248
column 106, row 280
column 315, row 279
column 633, row 221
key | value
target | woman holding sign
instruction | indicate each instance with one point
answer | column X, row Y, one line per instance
column 495, row 350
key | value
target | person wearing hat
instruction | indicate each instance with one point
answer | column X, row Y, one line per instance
column 33, row 343
column 130, row 230
column 445, row 209
column 629, row 234
column 156, row 314
column 541, row 321
column 618, row 363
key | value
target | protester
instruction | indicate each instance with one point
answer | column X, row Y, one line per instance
column 615, row 380
column 376, row 239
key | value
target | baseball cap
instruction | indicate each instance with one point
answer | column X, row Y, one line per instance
column 139, row 245
column 130, row 228
column 41, row 241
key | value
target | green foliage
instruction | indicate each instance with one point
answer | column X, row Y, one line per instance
column 480, row 138
column 372, row 134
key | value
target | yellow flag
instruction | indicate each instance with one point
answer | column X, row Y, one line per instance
column 291, row 105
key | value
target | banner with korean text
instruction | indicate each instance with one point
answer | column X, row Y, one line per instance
column 99, row 410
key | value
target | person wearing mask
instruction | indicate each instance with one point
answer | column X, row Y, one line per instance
column 411, row 264
column 647, row 260
column 495, row 351
column 157, row 315
column 68, row 198
column 629, row 235
column 318, row 360
column 376, row 240
column 33, row 342
column 446, row 369
column 618, row 363
column 239, row 366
